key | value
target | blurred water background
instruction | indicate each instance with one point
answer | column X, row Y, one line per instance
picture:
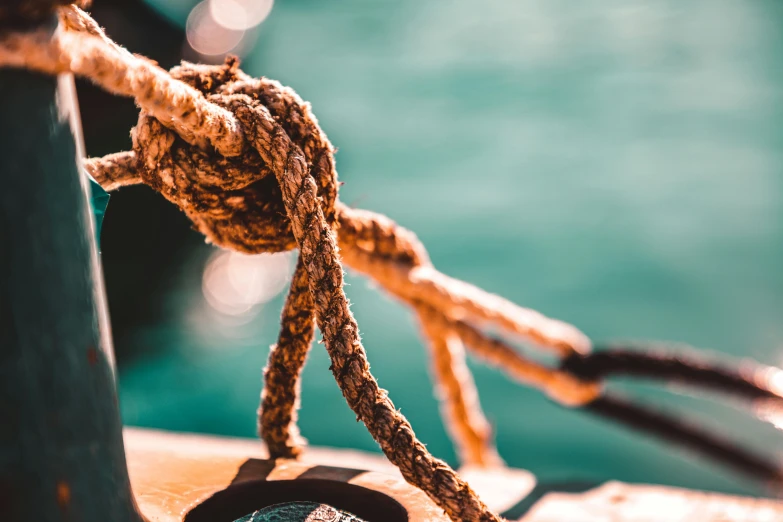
column 616, row 164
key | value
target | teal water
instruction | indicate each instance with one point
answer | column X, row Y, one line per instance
column 616, row 164
column 99, row 200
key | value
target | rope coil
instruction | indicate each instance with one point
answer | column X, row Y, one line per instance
column 246, row 160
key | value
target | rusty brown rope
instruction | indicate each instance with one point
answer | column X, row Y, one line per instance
column 280, row 397
column 469, row 430
column 166, row 162
column 273, row 194
column 245, row 159
column 269, row 184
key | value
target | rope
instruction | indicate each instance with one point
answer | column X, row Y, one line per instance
column 245, row 159
column 750, row 382
column 280, row 397
column 318, row 252
column 688, row 436
column 80, row 47
column 376, row 246
column 460, row 407
column 235, row 195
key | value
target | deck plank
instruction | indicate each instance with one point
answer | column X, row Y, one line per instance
column 173, row 473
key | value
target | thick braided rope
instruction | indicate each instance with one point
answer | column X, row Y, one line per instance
column 469, row 428
column 364, row 236
column 386, row 241
column 318, row 250
column 286, row 360
column 160, row 171
column 387, row 244
column 395, row 258
column 79, row 46
column 461, row 410
column 377, row 246
column 331, row 306
column 317, row 243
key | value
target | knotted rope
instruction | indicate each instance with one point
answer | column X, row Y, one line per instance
column 278, row 196
column 245, row 159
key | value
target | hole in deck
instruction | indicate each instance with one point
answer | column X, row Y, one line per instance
column 242, row 499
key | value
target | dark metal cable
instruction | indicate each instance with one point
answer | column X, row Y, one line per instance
column 686, row 369
column 686, row 435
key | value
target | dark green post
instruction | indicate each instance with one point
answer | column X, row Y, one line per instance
column 61, row 449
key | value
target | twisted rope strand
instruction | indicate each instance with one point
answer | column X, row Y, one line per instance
column 365, row 237
column 467, row 423
column 317, row 243
column 276, row 150
column 79, row 46
column 114, row 171
column 318, row 249
column 280, row 397
column 385, row 238
column 397, row 244
column 468, row 428
column 560, row 386
column 453, row 382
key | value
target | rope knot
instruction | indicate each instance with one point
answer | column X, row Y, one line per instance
column 236, row 201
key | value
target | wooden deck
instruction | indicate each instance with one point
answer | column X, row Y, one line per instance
column 194, row 478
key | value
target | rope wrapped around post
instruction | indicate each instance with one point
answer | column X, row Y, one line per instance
column 245, row 159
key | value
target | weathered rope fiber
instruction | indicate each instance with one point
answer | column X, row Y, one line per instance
column 460, row 408
column 365, row 236
column 369, row 242
column 318, row 251
column 165, row 160
column 280, row 397
column 79, row 46
column 245, row 159
column 376, row 246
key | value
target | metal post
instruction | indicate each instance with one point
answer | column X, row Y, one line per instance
column 61, row 448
